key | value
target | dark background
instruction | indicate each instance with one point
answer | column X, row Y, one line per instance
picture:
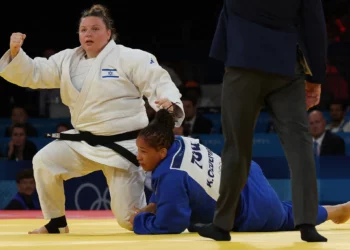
column 179, row 33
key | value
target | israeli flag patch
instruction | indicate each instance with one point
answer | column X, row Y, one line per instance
column 109, row 73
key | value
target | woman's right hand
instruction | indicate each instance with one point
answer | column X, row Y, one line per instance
column 16, row 42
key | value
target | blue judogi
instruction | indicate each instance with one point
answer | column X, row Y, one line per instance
column 186, row 187
column 261, row 208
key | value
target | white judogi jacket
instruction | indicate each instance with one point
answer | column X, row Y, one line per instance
column 110, row 101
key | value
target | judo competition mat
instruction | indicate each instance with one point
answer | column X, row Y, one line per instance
column 99, row 230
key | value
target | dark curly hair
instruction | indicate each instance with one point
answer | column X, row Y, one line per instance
column 159, row 133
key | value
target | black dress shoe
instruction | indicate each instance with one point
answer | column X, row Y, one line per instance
column 310, row 234
column 213, row 232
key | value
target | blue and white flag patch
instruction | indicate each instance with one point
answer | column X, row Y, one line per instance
column 109, row 73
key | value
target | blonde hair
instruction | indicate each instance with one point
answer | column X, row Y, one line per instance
column 102, row 12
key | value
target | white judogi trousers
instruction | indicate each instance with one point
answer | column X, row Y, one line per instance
column 58, row 162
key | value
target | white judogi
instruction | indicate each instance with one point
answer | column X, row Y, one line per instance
column 104, row 96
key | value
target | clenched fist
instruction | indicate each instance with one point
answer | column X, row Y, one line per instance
column 16, row 42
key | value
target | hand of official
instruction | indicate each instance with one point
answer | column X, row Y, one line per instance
column 312, row 93
column 16, row 42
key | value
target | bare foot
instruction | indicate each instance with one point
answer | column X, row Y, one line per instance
column 43, row 230
column 343, row 214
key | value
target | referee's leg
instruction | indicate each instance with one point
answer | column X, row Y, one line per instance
column 288, row 110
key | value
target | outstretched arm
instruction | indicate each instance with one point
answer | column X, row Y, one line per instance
column 173, row 210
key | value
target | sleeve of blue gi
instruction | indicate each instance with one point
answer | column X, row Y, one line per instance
column 152, row 199
column 173, row 209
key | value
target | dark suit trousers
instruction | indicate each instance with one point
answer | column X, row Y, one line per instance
column 244, row 93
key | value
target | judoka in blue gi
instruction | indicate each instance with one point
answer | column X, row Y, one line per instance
column 185, row 183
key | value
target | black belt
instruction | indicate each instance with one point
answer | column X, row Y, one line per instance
column 102, row 140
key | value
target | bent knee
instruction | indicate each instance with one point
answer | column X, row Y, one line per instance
column 42, row 163
column 124, row 223
column 39, row 166
column 122, row 216
column 38, row 160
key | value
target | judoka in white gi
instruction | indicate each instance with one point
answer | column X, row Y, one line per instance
column 102, row 83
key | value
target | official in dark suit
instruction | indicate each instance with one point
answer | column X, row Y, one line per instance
column 332, row 144
column 267, row 48
column 201, row 125
column 194, row 123
column 325, row 142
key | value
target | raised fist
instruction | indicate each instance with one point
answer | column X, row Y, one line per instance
column 16, row 42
